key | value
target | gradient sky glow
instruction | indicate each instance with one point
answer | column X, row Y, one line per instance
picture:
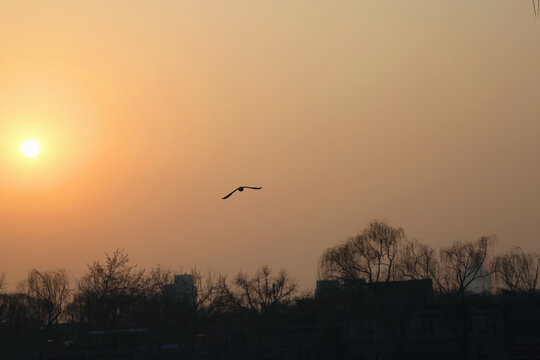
column 423, row 113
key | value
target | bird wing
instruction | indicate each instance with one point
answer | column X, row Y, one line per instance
column 252, row 187
column 226, row 197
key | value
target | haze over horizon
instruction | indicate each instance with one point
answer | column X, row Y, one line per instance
column 424, row 114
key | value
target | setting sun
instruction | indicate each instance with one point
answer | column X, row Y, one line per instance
column 30, row 148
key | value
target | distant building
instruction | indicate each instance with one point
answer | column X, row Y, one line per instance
column 354, row 284
column 182, row 291
column 403, row 293
column 326, row 288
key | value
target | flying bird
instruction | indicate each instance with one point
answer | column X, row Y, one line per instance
column 241, row 188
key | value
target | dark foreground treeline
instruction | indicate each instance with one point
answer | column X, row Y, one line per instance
column 380, row 296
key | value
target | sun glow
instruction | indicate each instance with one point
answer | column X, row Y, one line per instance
column 30, row 148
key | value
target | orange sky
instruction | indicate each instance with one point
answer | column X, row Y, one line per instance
column 423, row 113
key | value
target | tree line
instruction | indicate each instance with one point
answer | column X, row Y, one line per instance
column 114, row 292
column 382, row 253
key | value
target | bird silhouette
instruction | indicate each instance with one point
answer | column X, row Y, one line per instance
column 241, row 188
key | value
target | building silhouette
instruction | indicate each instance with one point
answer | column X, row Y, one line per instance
column 182, row 291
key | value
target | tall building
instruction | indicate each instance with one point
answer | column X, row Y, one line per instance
column 182, row 291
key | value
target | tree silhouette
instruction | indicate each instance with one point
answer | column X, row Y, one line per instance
column 370, row 255
column 418, row 261
column 518, row 271
column 49, row 292
column 108, row 289
column 463, row 263
column 264, row 292
column 157, row 278
column 213, row 293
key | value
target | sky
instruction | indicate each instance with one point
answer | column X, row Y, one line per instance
column 425, row 114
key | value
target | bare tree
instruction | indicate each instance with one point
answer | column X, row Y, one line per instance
column 146, row 297
column 108, row 289
column 49, row 292
column 370, row 255
column 18, row 311
column 462, row 264
column 264, row 292
column 157, row 279
column 518, row 271
column 418, row 261
column 212, row 292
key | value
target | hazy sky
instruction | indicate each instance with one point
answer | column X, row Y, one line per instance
column 423, row 113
